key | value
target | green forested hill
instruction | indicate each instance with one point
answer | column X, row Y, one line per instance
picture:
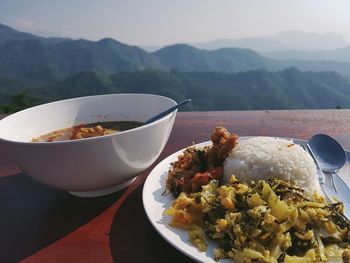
column 44, row 61
column 287, row 89
column 186, row 58
column 8, row 34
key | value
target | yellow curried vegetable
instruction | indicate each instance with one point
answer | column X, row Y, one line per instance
column 266, row 221
column 279, row 209
column 255, row 200
column 309, row 257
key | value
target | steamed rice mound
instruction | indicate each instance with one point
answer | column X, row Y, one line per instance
column 265, row 157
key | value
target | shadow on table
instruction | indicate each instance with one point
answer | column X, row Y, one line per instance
column 133, row 238
column 32, row 216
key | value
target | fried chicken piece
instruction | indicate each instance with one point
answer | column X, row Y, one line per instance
column 223, row 143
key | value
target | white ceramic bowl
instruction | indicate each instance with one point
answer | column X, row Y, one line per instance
column 93, row 166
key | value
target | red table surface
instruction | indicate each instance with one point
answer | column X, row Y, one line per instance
column 41, row 224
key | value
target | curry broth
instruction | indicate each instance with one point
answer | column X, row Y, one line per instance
column 88, row 130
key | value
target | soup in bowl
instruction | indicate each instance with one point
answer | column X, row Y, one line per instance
column 90, row 165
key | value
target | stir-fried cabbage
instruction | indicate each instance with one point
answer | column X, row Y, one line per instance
column 264, row 221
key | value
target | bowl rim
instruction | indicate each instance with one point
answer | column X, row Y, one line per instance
column 90, row 138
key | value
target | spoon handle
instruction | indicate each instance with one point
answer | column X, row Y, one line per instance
column 166, row 112
column 340, row 186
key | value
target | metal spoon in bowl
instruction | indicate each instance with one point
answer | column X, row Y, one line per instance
column 166, row 112
column 330, row 157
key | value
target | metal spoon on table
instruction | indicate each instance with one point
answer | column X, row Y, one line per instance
column 166, row 112
column 330, row 156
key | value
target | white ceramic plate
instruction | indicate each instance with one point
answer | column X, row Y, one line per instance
column 155, row 204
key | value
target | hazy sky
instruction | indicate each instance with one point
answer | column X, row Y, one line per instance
column 160, row 22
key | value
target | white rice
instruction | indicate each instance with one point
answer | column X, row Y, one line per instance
column 265, row 157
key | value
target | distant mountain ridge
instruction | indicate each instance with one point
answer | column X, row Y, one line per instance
column 44, row 60
column 284, row 40
column 8, row 34
column 339, row 54
column 186, row 58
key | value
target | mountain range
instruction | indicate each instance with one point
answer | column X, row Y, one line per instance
column 226, row 78
column 34, row 58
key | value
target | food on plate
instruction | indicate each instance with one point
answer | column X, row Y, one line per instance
column 265, row 157
column 276, row 217
column 263, row 221
column 197, row 166
column 88, row 130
